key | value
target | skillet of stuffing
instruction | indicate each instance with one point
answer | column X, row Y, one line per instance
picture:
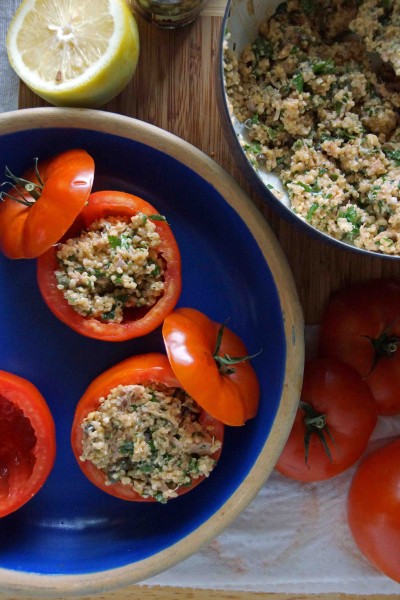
column 324, row 114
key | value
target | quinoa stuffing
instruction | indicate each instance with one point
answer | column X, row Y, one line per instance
column 149, row 437
column 112, row 266
column 318, row 114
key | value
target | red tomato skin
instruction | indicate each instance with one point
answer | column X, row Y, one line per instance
column 333, row 389
column 143, row 321
column 354, row 315
column 27, row 397
column 144, row 368
column 29, row 231
column 190, row 338
column 374, row 509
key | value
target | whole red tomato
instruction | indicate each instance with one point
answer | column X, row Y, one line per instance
column 41, row 207
column 137, row 321
column 211, row 364
column 333, row 424
column 374, row 508
column 28, row 442
column 140, row 369
column 361, row 327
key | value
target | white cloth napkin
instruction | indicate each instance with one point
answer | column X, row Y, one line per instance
column 293, row 537
column 8, row 78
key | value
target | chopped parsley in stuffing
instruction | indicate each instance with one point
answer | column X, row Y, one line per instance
column 149, row 437
column 113, row 265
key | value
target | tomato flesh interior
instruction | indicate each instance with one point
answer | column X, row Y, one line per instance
column 18, row 440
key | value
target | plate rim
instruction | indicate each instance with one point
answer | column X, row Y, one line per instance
column 293, row 324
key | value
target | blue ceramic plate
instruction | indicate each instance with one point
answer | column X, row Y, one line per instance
column 233, row 268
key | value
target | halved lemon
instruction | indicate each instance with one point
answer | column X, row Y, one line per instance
column 74, row 52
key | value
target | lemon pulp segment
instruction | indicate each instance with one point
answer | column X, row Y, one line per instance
column 76, row 52
column 63, row 42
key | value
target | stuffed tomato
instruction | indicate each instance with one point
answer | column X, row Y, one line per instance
column 138, row 436
column 117, row 273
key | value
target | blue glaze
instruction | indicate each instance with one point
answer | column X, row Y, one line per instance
column 71, row 527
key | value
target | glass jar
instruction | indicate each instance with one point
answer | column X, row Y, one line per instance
column 168, row 14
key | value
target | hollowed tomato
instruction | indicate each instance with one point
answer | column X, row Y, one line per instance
column 28, row 442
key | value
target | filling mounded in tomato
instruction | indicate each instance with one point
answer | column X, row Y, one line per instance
column 111, row 267
column 151, row 438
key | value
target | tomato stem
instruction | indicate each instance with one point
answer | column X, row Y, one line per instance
column 33, row 189
column 219, row 339
column 315, row 423
column 384, row 346
column 225, row 362
column 37, row 173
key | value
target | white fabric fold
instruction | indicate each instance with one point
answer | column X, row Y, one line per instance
column 293, row 538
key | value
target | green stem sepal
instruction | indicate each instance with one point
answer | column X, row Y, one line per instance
column 33, row 189
column 384, row 346
column 225, row 363
column 315, row 424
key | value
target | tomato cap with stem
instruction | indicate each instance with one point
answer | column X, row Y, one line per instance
column 43, row 204
column 212, row 365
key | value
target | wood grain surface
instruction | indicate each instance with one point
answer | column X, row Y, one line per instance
column 174, row 88
column 137, row 592
column 156, row 593
column 176, row 593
